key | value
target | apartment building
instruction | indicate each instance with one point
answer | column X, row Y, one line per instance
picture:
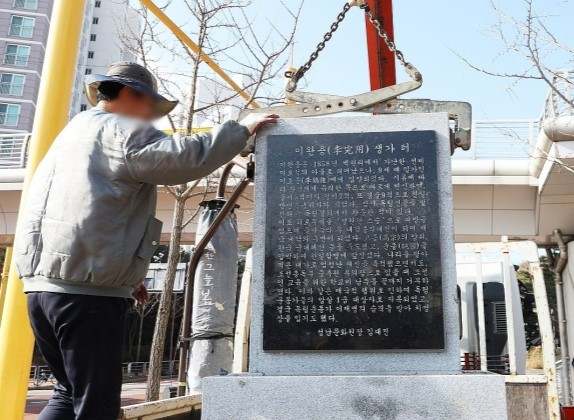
column 108, row 24
column 24, row 26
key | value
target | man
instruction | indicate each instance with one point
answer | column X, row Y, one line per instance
column 88, row 231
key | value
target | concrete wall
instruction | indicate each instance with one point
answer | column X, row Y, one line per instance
column 482, row 213
column 10, row 200
column 495, row 209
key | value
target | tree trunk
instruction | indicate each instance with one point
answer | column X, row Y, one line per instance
column 172, row 334
column 138, row 352
column 164, row 309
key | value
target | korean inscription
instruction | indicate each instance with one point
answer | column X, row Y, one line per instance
column 352, row 258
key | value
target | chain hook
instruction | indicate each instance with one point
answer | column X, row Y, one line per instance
column 294, row 77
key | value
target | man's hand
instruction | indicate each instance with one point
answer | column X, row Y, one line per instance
column 358, row 3
column 256, row 120
column 142, row 296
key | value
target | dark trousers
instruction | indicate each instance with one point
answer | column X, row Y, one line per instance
column 81, row 339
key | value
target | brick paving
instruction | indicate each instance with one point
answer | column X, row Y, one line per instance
column 132, row 393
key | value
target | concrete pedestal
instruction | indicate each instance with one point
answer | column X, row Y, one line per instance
column 392, row 397
column 298, row 383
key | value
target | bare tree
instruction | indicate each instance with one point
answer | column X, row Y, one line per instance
column 537, row 54
column 230, row 32
column 143, row 311
column 531, row 41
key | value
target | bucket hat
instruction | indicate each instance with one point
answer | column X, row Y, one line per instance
column 133, row 75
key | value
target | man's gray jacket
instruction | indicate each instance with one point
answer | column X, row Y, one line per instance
column 89, row 225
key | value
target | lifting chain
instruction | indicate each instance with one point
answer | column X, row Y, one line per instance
column 410, row 69
column 297, row 75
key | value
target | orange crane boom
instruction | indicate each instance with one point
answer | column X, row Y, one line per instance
column 382, row 67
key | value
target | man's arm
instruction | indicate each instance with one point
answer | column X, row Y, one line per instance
column 156, row 158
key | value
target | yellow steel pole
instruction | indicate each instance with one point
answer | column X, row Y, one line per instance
column 16, row 339
column 4, row 278
column 183, row 37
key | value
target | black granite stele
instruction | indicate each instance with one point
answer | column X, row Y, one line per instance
column 352, row 255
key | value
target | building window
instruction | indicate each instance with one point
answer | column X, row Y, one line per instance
column 12, row 84
column 98, row 4
column 95, row 20
column 83, row 107
column 26, row 4
column 92, row 37
column 88, row 71
column 9, row 114
column 90, row 54
column 17, row 55
column 22, row 26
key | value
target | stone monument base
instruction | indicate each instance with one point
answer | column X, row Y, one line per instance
column 396, row 397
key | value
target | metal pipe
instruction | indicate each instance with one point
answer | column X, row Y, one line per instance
column 508, row 300
column 188, row 297
column 480, row 310
column 223, row 179
column 562, row 322
column 4, row 278
column 183, row 37
column 563, row 256
column 53, row 104
column 550, row 255
column 552, row 130
column 239, row 161
column 546, row 333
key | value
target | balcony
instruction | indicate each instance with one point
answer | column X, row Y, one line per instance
column 13, row 154
column 21, row 31
column 11, row 89
column 15, row 59
column 13, row 148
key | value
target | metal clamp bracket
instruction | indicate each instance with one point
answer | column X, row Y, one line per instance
column 313, row 104
column 376, row 102
column 459, row 112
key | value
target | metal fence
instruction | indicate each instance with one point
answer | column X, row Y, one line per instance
column 41, row 375
column 135, row 370
column 498, row 364
column 501, row 139
column 560, row 96
column 13, row 150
